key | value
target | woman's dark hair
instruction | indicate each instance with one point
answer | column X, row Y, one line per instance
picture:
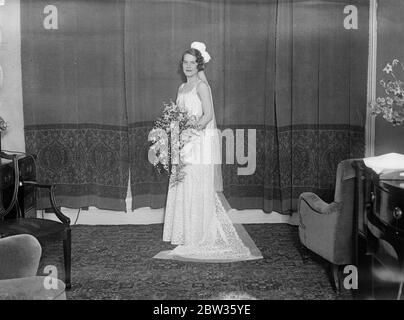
column 199, row 59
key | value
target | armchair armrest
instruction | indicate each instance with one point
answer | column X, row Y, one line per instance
column 51, row 189
column 317, row 204
column 19, row 256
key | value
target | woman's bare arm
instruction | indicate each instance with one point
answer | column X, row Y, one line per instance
column 178, row 92
column 202, row 76
column 207, row 108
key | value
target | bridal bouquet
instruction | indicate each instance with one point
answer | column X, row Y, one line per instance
column 391, row 106
column 168, row 136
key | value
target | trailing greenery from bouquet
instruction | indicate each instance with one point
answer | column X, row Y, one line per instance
column 168, row 137
column 391, row 106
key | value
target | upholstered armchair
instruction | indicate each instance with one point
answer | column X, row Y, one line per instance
column 19, row 260
column 327, row 228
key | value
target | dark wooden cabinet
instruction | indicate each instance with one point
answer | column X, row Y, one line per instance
column 26, row 194
column 388, row 202
column 385, row 235
column 379, row 235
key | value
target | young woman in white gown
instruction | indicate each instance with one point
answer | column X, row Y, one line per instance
column 196, row 211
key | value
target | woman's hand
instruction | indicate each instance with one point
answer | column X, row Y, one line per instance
column 195, row 124
column 200, row 126
column 193, row 121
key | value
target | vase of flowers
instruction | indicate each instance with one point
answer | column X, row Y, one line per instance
column 3, row 127
column 391, row 105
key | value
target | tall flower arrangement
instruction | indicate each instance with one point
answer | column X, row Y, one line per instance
column 391, row 105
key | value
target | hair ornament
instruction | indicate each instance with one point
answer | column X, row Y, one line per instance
column 202, row 48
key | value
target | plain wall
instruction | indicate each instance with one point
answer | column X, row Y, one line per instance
column 11, row 92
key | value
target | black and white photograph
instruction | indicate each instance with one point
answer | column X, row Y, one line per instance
column 218, row 152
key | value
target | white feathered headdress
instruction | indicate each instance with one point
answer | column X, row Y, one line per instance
column 202, row 48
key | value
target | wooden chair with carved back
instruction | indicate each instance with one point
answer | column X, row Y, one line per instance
column 42, row 229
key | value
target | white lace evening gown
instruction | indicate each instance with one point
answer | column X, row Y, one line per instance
column 196, row 216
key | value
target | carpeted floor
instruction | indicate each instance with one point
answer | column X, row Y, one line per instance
column 115, row 262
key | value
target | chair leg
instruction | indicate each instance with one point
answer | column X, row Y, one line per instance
column 18, row 210
column 304, row 253
column 336, row 283
column 67, row 252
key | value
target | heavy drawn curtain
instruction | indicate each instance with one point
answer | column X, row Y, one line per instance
column 74, row 100
column 287, row 70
